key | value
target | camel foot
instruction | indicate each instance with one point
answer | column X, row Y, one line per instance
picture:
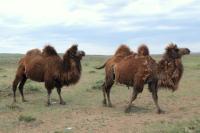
column 160, row 111
column 48, row 104
column 104, row 102
column 62, row 103
column 24, row 100
column 110, row 105
column 128, row 109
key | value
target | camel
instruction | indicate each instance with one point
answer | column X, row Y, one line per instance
column 122, row 52
column 136, row 71
column 48, row 67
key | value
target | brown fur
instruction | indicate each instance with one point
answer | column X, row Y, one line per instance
column 49, row 51
column 136, row 71
column 143, row 50
column 48, row 67
column 120, row 53
column 170, row 69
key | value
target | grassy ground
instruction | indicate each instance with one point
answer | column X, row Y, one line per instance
column 84, row 111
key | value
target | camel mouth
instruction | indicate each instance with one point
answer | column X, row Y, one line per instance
column 188, row 51
column 82, row 53
column 184, row 51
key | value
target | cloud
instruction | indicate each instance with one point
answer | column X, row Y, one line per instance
column 153, row 7
column 98, row 26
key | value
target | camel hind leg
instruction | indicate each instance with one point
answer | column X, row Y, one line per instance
column 154, row 90
column 21, row 87
column 110, row 77
column 132, row 98
column 107, row 88
column 104, row 94
column 18, row 78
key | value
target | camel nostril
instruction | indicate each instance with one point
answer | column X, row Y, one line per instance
column 82, row 53
column 188, row 51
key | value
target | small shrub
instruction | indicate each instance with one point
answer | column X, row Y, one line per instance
column 86, row 64
column 33, row 88
column 92, row 71
column 57, row 132
column 14, row 107
column 1, row 69
column 97, row 85
column 198, row 66
column 26, row 118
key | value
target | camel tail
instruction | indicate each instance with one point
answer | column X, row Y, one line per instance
column 101, row 67
column 143, row 50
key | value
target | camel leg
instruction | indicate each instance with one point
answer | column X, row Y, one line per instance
column 49, row 86
column 21, row 87
column 18, row 78
column 60, row 97
column 107, row 90
column 104, row 94
column 49, row 97
column 154, row 90
column 133, row 97
column 14, row 87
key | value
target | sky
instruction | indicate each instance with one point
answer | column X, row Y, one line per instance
column 99, row 26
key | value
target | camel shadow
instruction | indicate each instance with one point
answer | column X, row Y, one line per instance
column 138, row 109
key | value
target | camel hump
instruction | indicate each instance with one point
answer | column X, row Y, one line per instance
column 143, row 50
column 123, row 50
column 33, row 52
column 49, row 51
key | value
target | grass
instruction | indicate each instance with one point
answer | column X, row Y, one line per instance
column 27, row 119
column 97, row 85
column 192, row 126
column 84, row 111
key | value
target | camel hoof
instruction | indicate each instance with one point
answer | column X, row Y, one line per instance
column 104, row 102
column 48, row 104
column 160, row 111
column 24, row 100
column 110, row 105
column 128, row 110
column 62, row 103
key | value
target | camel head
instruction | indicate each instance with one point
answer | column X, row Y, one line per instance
column 74, row 53
column 174, row 52
column 184, row 51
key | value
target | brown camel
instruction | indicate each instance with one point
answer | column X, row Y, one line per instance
column 122, row 52
column 136, row 71
column 48, row 67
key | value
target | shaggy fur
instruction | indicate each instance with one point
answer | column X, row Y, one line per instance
column 143, row 50
column 136, row 71
column 49, row 51
column 120, row 53
column 48, row 67
column 170, row 67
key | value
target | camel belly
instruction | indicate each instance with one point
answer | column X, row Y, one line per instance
column 124, row 76
column 35, row 71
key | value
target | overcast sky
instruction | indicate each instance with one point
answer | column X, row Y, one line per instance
column 98, row 26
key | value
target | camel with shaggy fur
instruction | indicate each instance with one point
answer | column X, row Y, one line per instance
column 136, row 71
column 122, row 52
column 48, row 67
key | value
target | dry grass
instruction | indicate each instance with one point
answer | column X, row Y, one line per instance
column 84, row 111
